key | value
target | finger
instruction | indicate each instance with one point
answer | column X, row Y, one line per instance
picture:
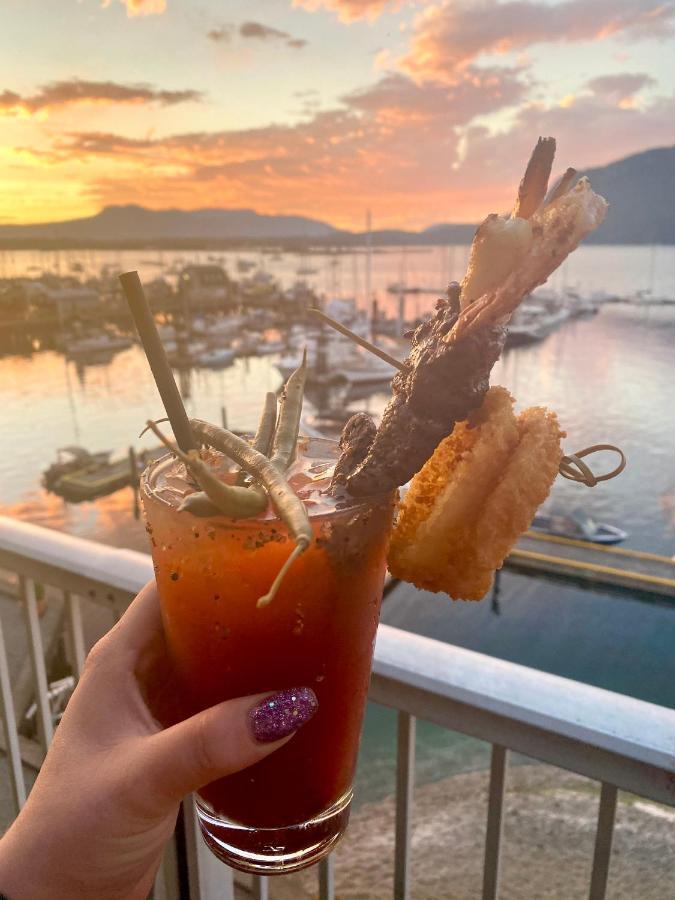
column 142, row 621
column 140, row 628
column 220, row 741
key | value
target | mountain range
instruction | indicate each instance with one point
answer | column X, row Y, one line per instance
column 640, row 190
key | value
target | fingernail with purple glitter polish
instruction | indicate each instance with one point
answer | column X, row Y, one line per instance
column 282, row 714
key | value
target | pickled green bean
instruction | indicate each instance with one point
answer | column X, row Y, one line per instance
column 265, row 433
column 200, row 504
column 290, row 508
column 290, row 410
column 232, row 501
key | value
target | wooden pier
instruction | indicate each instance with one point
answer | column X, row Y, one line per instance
column 594, row 565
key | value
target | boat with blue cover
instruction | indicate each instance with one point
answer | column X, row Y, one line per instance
column 579, row 526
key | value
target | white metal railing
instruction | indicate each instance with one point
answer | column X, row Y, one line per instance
column 621, row 742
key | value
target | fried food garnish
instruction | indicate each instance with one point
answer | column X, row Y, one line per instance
column 557, row 228
column 474, row 497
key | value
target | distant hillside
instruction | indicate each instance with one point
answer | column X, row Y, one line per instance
column 117, row 224
column 641, row 194
column 640, row 190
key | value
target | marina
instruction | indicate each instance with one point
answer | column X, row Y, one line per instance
column 606, row 372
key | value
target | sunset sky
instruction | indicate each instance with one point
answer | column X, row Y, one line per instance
column 421, row 111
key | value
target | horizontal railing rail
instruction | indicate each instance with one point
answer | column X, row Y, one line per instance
column 576, row 726
column 617, row 740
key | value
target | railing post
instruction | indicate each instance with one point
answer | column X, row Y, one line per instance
column 493, row 834
column 603, row 841
column 75, row 633
column 261, row 889
column 405, row 783
column 208, row 878
column 327, row 878
column 167, row 886
column 9, row 727
column 37, row 656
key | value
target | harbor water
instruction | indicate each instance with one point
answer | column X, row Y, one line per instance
column 608, row 376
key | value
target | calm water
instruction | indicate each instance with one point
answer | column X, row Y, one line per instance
column 610, row 378
column 622, row 269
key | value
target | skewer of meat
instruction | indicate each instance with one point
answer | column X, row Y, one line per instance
column 446, row 374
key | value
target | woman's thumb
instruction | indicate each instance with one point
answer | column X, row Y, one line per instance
column 221, row 740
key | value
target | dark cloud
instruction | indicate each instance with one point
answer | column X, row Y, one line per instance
column 261, row 32
column 621, row 86
column 255, row 31
column 66, row 93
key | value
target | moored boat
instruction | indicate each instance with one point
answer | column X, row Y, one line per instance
column 578, row 525
column 79, row 475
column 93, row 344
column 533, row 321
column 216, row 359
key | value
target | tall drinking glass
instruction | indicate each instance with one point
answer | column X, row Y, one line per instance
column 288, row 810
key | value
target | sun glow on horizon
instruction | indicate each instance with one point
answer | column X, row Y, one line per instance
column 430, row 122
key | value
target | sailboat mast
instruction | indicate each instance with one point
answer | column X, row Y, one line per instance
column 369, row 253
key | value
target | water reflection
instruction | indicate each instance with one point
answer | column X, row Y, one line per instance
column 609, row 378
column 109, row 520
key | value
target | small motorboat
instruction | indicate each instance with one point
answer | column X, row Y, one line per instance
column 93, row 344
column 186, row 353
column 534, row 321
column 78, row 475
column 71, row 459
column 578, row 526
column 254, row 344
column 216, row 358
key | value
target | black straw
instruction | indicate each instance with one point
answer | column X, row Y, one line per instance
column 161, row 370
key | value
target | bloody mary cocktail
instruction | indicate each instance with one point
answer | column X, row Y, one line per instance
column 288, row 810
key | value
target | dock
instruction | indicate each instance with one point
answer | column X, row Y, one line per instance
column 594, row 565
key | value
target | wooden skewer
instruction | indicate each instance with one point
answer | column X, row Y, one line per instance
column 362, row 342
column 574, row 468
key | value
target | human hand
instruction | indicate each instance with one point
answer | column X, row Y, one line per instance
column 106, row 799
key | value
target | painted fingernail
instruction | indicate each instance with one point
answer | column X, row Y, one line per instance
column 282, row 714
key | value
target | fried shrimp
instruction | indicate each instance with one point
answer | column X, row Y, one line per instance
column 448, row 368
column 474, row 497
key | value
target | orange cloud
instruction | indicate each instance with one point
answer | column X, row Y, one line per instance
column 350, row 10
column 68, row 93
column 392, row 146
column 451, row 35
column 412, row 150
column 141, row 7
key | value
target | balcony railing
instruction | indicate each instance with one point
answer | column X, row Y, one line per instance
column 616, row 740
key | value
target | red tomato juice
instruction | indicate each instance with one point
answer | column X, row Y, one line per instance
column 318, row 632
